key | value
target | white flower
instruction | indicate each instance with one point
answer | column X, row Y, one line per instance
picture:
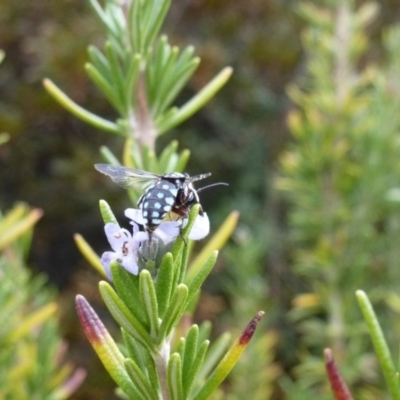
column 168, row 231
column 200, row 228
column 125, row 246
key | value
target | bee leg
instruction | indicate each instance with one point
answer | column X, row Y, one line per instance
column 201, row 212
column 181, row 235
column 150, row 231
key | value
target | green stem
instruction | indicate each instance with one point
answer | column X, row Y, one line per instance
column 161, row 361
column 380, row 345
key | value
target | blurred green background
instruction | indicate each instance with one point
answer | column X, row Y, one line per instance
column 239, row 137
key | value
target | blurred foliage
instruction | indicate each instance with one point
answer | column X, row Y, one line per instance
column 32, row 351
column 238, row 137
column 341, row 176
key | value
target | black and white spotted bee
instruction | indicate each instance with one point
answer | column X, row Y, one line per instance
column 164, row 194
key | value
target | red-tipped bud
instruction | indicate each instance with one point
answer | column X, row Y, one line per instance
column 339, row 387
column 248, row 333
column 93, row 327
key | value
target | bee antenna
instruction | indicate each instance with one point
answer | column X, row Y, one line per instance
column 199, row 177
column 213, row 184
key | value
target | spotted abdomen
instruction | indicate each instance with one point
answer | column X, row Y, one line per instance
column 157, row 201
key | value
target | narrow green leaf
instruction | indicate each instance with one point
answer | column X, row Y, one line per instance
column 182, row 240
column 156, row 67
column 79, row 111
column 100, row 62
column 182, row 161
column 17, row 229
column 104, row 346
column 166, row 154
column 100, row 13
column 117, row 19
column 118, row 43
column 109, row 156
column 123, row 316
column 190, row 353
column 185, row 56
column 143, row 359
column 217, row 350
column 140, row 380
column 172, row 162
column 131, row 80
column 175, row 85
column 174, row 312
column 150, row 72
column 184, row 259
column 174, row 377
column 180, row 349
column 164, row 282
column 136, row 156
column 89, row 254
column 205, row 331
column 380, row 345
column 198, row 280
column 151, row 370
column 146, row 10
column 166, row 116
column 164, row 83
column 158, row 14
column 190, row 376
column 149, row 301
column 162, row 57
column 229, row 360
column 134, row 23
column 150, row 162
column 198, row 101
column 118, row 78
column 191, row 306
column 134, row 348
column 33, row 321
column 127, row 286
column 216, row 242
column 186, row 251
column 106, row 213
column 106, row 87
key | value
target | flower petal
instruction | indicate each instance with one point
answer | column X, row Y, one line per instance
column 200, row 228
column 135, row 215
column 142, row 237
column 105, row 260
column 168, row 231
column 116, row 236
column 129, row 263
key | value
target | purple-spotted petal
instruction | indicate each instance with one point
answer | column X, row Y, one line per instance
column 116, row 236
column 129, row 263
column 105, row 260
column 200, row 228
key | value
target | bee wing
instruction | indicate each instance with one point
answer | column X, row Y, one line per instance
column 126, row 177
